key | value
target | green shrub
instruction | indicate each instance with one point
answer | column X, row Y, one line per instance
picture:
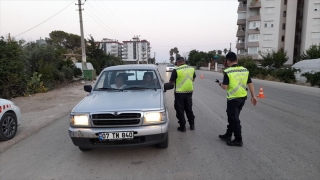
column 68, row 72
column 13, row 78
column 285, row 75
column 313, row 78
column 35, row 85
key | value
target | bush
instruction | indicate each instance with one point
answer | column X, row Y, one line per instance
column 313, row 78
column 285, row 75
column 13, row 78
column 35, row 85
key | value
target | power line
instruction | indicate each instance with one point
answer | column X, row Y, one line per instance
column 113, row 22
column 116, row 18
column 105, row 24
column 44, row 21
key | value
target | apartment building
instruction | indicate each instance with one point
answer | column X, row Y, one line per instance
column 264, row 25
column 136, row 51
column 111, row 46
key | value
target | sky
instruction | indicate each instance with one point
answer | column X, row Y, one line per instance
column 186, row 24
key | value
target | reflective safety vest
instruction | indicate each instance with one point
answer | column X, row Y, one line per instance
column 238, row 78
column 184, row 81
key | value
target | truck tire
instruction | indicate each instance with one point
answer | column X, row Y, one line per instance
column 164, row 144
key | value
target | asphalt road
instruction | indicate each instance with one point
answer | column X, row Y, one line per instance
column 281, row 141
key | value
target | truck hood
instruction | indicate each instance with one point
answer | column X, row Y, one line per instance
column 131, row 100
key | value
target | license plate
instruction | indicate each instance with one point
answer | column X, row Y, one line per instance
column 115, row 135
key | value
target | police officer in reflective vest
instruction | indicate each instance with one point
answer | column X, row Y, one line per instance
column 183, row 77
column 235, row 81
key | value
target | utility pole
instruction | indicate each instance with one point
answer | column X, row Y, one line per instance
column 230, row 48
column 83, row 47
column 154, row 57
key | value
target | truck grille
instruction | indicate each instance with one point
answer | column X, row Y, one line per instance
column 122, row 119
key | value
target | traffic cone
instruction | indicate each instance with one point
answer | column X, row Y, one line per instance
column 201, row 76
column 261, row 95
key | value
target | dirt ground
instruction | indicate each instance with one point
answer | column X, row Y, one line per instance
column 39, row 110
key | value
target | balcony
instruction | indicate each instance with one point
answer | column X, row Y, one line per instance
column 255, row 18
column 254, row 31
column 241, row 21
column 255, row 4
column 242, row 7
column 253, row 44
column 240, row 45
column 240, row 33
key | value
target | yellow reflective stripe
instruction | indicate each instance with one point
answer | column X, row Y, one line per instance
column 236, row 89
column 183, row 81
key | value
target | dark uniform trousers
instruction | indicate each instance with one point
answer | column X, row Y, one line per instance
column 183, row 103
column 234, row 108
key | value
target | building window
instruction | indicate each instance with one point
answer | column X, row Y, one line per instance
column 315, row 35
column 242, row 15
column 268, row 24
column 284, row 13
column 268, row 37
column 283, row 26
column 316, row 21
column 282, row 39
column 253, row 50
column 317, row 6
column 285, row 2
column 253, row 37
column 254, row 24
column 269, row 10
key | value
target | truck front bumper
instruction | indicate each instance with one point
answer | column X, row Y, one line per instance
column 143, row 135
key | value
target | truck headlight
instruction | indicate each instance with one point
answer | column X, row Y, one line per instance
column 152, row 117
column 79, row 120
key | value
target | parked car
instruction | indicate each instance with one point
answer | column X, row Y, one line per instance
column 10, row 118
column 170, row 67
column 122, row 112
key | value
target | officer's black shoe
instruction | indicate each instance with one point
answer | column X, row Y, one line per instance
column 235, row 143
column 192, row 127
column 225, row 137
column 182, row 129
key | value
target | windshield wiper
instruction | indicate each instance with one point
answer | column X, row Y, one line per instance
column 114, row 89
column 139, row 87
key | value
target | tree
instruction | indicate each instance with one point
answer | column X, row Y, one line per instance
column 171, row 59
column 274, row 58
column 312, row 53
column 225, row 51
column 13, row 77
column 61, row 39
column 190, row 57
column 171, row 55
column 219, row 52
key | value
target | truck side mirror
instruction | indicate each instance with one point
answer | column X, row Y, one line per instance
column 87, row 88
